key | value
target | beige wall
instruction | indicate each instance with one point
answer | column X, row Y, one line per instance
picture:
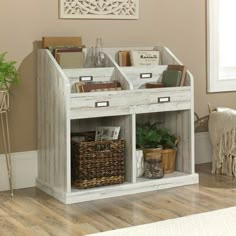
column 180, row 25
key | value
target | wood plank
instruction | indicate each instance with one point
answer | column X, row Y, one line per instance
column 99, row 112
column 33, row 211
column 53, row 123
column 179, row 132
column 130, row 98
column 128, row 134
column 186, row 142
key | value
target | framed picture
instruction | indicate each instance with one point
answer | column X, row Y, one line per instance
column 99, row 9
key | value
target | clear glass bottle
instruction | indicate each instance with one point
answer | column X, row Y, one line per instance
column 99, row 55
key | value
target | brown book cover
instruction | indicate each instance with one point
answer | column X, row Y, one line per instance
column 61, row 41
column 124, row 58
column 154, row 85
column 68, row 49
column 83, row 87
column 70, row 60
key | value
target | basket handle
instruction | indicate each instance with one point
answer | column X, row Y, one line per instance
column 177, row 140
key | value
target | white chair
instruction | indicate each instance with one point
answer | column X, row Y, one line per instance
column 4, row 109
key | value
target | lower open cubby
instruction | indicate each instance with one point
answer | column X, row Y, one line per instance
column 178, row 122
column 124, row 123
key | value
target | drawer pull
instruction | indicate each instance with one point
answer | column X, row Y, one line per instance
column 145, row 75
column 102, row 104
column 163, row 99
column 85, row 78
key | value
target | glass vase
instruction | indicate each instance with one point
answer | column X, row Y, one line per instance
column 99, row 55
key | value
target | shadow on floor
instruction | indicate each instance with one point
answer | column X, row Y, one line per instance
column 212, row 180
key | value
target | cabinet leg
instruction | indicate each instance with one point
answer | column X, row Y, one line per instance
column 7, row 147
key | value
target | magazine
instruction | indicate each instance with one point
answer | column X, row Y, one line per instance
column 107, row 133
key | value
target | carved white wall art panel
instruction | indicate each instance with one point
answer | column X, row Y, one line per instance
column 99, row 9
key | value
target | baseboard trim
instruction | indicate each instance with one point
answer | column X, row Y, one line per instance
column 203, row 149
column 25, row 167
column 24, row 170
column 50, row 190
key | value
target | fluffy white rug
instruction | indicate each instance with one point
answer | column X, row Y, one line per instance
column 215, row 223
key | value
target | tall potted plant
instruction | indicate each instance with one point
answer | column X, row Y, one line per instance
column 8, row 77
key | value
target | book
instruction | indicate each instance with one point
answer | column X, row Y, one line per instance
column 70, row 60
column 68, row 49
column 144, row 58
column 154, row 85
column 171, row 78
column 124, row 58
column 59, row 49
column 61, row 41
column 107, row 133
column 82, row 87
column 181, row 68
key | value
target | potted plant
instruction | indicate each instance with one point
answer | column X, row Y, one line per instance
column 8, row 77
column 152, row 138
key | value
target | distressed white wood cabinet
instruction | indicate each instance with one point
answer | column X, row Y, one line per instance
column 61, row 112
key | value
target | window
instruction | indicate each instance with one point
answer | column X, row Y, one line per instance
column 221, row 45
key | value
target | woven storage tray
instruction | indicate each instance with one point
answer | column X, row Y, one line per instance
column 97, row 163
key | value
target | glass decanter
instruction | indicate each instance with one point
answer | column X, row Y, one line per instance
column 99, row 55
column 90, row 58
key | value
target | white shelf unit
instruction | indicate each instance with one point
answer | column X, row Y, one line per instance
column 61, row 112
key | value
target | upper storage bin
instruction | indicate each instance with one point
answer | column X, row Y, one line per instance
column 166, row 56
column 93, row 93
column 141, row 77
column 158, row 67
column 96, row 80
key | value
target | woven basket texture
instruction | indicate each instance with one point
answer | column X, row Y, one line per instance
column 97, row 163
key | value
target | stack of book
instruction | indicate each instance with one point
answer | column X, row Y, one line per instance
column 68, row 51
column 70, row 57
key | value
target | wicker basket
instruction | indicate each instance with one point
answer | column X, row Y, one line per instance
column 168, row 160
column 97, row 163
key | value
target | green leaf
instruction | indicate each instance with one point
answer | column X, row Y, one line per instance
column 8, row 73
column 152, row 135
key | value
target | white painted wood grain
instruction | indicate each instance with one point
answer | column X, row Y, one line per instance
column 134, row 74
column 61, row 112
column 175, row 180
column 54, row 100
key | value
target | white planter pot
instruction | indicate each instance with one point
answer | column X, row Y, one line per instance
column 139, row 163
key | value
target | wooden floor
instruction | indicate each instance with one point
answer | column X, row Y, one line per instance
column 33, row 212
